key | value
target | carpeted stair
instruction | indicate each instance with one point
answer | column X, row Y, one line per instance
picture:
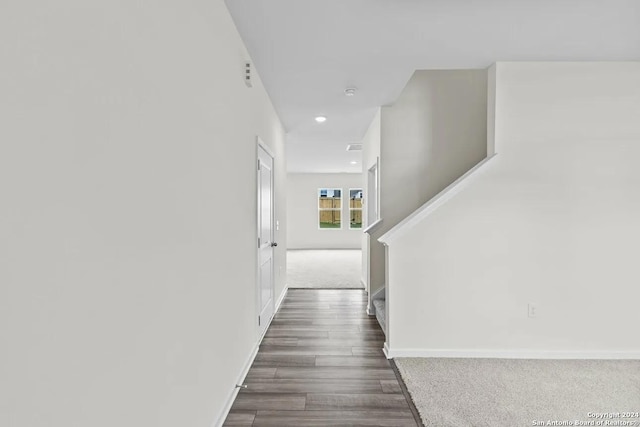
column 379, row 305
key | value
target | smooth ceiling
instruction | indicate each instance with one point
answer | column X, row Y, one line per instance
column 308, row 52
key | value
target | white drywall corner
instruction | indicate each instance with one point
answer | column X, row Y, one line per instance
column 554, row 220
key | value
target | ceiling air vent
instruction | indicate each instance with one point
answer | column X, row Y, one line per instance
column 354, row 147
column 247, row 74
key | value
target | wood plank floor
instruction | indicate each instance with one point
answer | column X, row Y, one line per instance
column 321, row 364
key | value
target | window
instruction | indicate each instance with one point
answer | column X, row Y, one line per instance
column 355, row 208
column 329, row 208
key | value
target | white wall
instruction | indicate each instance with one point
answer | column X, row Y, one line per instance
column 302, row 211
column 434, row 132
column 127, row 216
column 553, row 221
column 370, row 155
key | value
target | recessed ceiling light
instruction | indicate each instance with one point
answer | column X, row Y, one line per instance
column 353, row 162
column 350, row 91
column 321, row 119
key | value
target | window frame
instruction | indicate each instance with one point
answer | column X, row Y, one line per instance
column 361, row 208
column 329, row 209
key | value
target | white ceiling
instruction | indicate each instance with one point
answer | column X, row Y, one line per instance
column 308, row 52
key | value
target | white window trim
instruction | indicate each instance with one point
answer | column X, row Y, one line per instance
column 333, row 209
column 361, row 209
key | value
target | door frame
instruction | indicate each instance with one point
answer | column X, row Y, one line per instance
column 261, row 145
column 372, row 193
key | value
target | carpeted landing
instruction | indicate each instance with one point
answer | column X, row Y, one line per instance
column 328, row 269
column 519, row 392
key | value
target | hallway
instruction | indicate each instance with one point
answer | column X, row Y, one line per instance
column 324, row 268
column 321, row 364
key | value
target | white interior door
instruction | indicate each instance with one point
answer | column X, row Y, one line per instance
column 265, row 238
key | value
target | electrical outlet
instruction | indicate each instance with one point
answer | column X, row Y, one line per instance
column 532, row 310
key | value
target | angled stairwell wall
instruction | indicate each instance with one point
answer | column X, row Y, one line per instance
column 554, row 221
column 432, row 134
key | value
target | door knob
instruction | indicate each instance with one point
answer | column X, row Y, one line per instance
column 273, row 244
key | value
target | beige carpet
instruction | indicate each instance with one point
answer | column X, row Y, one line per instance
column 514, row 393
column 340, row 268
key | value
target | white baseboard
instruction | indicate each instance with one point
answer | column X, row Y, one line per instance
column 279, row 301
column 370, row 310
column 245, row 370
column 386, row 351
column 511, row 354
column 358, row 248
column 227, row 407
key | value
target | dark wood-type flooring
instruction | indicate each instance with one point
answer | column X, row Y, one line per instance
column 321, row 364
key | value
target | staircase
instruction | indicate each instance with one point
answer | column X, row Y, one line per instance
column 409, row 223
column 380, row 308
